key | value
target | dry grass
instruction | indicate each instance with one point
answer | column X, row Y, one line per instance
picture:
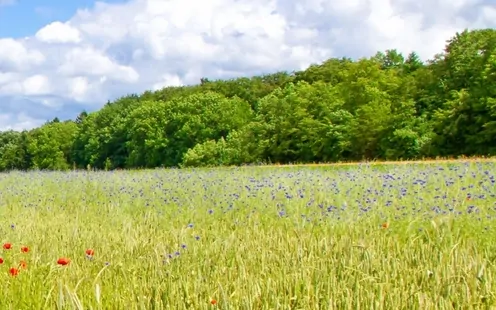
column 428, row 161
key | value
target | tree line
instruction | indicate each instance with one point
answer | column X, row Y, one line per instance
column 384, row 107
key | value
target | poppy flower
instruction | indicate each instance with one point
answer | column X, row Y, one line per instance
column 213, row 302
column 7, row 246
column 63, row 261
column 23, row 264
column 13, row 271
column 1, row 260
column 90, row 252
column 385, row 225
column 24, row 249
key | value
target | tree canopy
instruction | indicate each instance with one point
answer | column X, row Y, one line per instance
column 384, row 107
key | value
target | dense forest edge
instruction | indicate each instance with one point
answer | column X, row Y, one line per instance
column 386, row 107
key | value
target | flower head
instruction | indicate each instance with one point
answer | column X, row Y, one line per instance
column 7, row 246
column 13, row 271
column 63, row 261
column 24, row 249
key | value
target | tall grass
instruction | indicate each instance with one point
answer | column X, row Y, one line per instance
column 363, row 237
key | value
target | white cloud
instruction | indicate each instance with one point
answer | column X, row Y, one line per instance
column 93, row 63
column 36, row 85
column 31, row 86
column 488, row 16
column 168, row 80
column 15, row 56
column 7, row 77
column 79, row 87
column 58, row 32
column 112, row 50
column 18, row 121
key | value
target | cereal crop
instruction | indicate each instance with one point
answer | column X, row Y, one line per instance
column 418, row 236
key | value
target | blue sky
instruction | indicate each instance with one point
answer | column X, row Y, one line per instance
column 24, row 17
column 58, row 58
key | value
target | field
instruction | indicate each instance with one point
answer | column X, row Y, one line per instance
column 417, row 236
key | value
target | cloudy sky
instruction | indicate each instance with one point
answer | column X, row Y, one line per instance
column 59, row 57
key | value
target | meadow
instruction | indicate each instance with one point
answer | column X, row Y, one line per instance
column 417, row 236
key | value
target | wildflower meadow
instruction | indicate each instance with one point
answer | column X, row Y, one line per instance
column 417, row 236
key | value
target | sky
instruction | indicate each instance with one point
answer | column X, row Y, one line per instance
column 59, row 57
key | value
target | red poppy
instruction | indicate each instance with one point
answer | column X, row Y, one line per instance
column 23, row 264
column 1, row 260
column 385, row 225
column 213, row 302
column 13, row 271
column 63, row 261
column 24, row 249
column 90, row 252
column 7, row 246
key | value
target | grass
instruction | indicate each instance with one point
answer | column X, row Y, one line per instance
column 425, row 161
column 362, row 237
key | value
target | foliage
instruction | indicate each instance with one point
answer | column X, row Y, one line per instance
column 388, row 106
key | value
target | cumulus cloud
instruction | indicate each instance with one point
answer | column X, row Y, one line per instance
column 19, row 121
column 58, row 32
column 15, row 56
column 94, row 63
column 37, row 84
column 112, row 50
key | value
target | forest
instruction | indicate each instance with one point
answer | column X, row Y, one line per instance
column 389, row 106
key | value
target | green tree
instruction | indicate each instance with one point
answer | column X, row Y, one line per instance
column 160, row 133
column 465, row 122
column 50, row 145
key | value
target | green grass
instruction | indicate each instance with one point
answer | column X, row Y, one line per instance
column 247, row 255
